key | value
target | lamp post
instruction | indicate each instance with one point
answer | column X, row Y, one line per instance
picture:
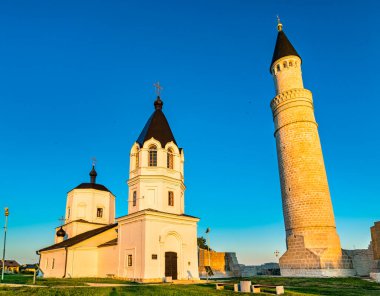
column 6, row 213
column 208, row 247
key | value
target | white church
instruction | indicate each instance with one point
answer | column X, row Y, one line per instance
column 155, row 240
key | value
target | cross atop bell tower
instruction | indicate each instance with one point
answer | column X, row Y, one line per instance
column 158, row 88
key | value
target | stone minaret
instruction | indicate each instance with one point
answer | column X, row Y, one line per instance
column 313, row 245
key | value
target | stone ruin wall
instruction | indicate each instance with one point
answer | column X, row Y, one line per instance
column 375, row 234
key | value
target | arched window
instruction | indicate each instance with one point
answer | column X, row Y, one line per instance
column 152, row 155
column 171, row 198
column 291, row 64
column 169, row 159
column 285, row 64
column 99, row 212
column 278, row 67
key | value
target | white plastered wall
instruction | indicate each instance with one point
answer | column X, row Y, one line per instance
column 83, row 204
column 58, row 256
column 152, row 184
column 107, row 261
column 153, row 233
column 83, row 259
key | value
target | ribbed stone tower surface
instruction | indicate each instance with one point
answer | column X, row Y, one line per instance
column 313, row 245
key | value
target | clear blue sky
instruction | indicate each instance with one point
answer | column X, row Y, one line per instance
column 76, row 82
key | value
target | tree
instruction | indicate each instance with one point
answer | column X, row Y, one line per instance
column 201, row 241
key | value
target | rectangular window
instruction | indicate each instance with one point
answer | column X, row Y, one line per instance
column 171, row 198
column 169, row 160
column 154, row 256
column 52, row 264
column 129, row 260
column 152, row 157
column 99, row 212
column 68, row 213
column 134, row 198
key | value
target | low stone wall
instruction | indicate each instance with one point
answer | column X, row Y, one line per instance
column 317, row 272
column 248, row 271
column 362, row 260
column 225, row 264
column 214, row 259
column 375, row 235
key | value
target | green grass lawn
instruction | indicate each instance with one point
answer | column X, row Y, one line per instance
column 293, row 286
column 28, row 280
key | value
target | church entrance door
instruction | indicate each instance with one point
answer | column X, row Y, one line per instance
column 171, row 264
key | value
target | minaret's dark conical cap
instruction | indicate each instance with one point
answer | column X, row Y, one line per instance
column 283, row 48
column 157, row 127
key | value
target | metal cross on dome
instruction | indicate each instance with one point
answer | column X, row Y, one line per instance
column 158, row 88
column 62, row 219
column 94, row 161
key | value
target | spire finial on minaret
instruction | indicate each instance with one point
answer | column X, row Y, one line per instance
column 279, row 24
column 158, row 102
column 93, row 172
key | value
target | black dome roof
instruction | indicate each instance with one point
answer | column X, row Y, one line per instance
column 157, row 127
column 61, row 232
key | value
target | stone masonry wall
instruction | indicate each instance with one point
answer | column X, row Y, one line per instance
column 362, row 260
column 222, row 263
column 375, row 234
column 217, row 260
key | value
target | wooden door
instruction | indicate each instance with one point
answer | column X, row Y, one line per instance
column 171, row 264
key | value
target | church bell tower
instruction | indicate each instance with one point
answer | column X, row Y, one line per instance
column 156, row 177
column 157, row 239
column 313, row 245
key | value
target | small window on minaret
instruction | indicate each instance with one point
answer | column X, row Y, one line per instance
column 169, row 160
column 52, row 264
column 68, row 213
column 171, row 198
column 99, row 212
column 134, row 198
column 152, row 155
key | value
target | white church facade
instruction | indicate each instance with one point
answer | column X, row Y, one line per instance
column 156, row 239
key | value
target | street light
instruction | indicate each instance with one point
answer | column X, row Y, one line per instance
column 208, row 247
column 6, row 213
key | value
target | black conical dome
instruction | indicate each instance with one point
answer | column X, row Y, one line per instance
column 283, row 48
column 157, row 127
column 61, row 232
